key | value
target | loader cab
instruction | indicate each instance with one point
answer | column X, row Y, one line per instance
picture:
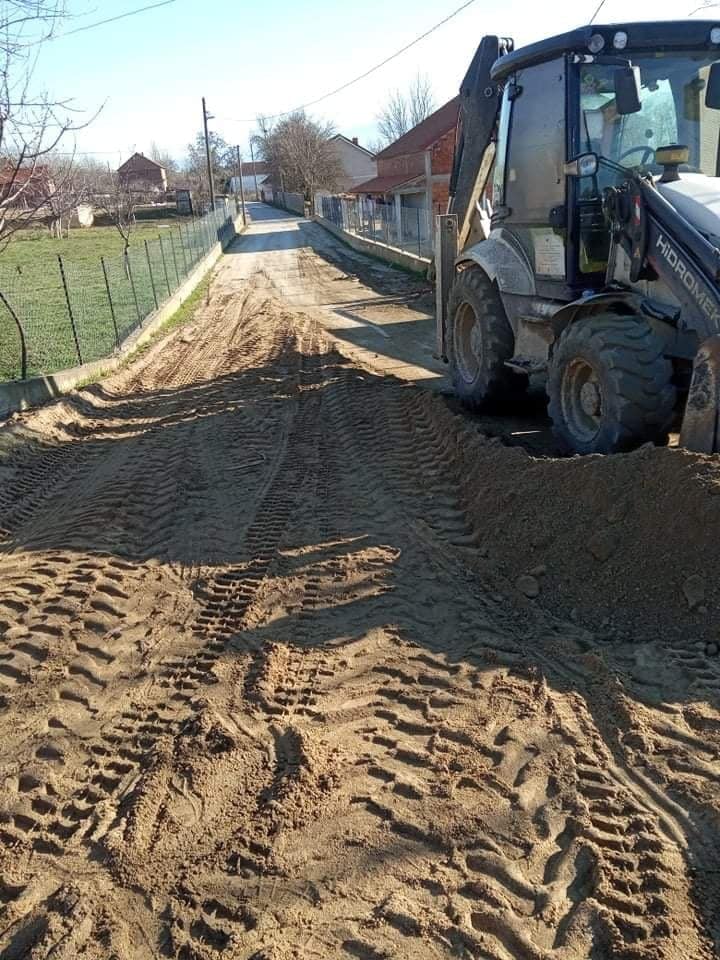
column 560, row 101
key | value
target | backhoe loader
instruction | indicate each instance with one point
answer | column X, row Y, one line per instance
column 582, row 241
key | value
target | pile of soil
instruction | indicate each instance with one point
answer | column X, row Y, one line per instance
column 627, row 545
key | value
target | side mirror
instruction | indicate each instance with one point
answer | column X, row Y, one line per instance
column 712, row 90
column 627, row 90
column 586, row 165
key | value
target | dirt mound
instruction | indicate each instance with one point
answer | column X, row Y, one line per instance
column 627, row 544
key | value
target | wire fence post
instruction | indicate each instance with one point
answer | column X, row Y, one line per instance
column 172, row 247
column 152, row 279
column 112, row 308
column 128, row 268
column 162, row 253
column 21, row 331
column 182, row 249
column 70, row 309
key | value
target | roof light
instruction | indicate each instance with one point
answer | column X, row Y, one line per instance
column 596, row 43
column 620, row 40
column 715, row 35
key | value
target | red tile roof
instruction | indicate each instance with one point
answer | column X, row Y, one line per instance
column 425, row 133
column 383, row 184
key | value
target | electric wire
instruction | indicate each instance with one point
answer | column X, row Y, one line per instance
column 597, row 10
column 120, row 16
column 362, row 76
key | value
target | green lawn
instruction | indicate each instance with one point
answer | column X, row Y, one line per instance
column 161, row 254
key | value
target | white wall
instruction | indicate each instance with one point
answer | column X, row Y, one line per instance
column 357, row 164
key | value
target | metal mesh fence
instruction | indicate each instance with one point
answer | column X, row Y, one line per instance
column 403, row 226
column 58, row 313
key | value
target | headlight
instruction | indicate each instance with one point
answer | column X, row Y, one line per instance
column 596, row 43
column 715, row 35
column 620, row 40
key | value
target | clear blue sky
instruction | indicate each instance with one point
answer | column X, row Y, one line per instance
column 250, row 58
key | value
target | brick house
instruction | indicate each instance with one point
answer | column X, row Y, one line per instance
column 27, row 187
column 413, row 174
column 143, row 175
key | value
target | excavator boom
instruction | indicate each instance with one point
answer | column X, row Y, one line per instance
column 474, row 146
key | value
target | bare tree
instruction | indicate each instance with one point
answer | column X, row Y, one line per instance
column 421, row 99
column 194, row 167
column 165, row 159
column 393, row 120
column 68, row 189
column 114, row 196
column 32, row 124
column 300, row 153
column 405, row 110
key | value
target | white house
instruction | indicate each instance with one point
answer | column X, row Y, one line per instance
column 358, row 163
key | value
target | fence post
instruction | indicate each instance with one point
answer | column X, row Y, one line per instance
column 128, row 268
column 182, row 248
column 417, row 217
column 162, row 252
column 70, row 310
column 152, row 279
column 112, row 308
column 21, row 331
column 172, row 247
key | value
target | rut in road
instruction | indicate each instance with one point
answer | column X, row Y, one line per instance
column 258, row 698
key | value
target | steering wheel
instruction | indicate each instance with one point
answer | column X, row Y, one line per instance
column 647, row 153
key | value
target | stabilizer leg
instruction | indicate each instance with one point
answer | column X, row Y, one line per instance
column 701, row 423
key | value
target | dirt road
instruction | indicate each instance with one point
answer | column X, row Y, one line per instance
column 284, row 676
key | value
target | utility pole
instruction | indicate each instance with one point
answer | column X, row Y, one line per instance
column 252, row 159
column 242, row 191
column 211, row 183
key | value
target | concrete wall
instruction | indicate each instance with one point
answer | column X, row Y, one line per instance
column 23, row 394
column 399, row 258
column 293, row 202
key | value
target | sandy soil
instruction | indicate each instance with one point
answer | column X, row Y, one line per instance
column 296, row 663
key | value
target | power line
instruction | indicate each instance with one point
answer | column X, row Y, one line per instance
column 597, row 10
column 393, row 56
column 120, row 16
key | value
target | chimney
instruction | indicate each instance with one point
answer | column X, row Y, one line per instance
column 355, row 141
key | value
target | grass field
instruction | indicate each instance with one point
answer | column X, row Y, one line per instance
column 84, row 243
column 161, row 254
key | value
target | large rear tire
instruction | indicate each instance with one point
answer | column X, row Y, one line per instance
column 480, row 342
column 610, row 385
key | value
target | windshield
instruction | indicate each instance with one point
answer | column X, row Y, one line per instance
column 673, row 111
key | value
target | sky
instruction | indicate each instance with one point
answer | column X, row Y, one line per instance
column 147, row 73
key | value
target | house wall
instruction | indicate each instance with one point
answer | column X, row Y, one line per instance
column 442, row 160
column 138, row 171
column 357, row 165
column 411, row 164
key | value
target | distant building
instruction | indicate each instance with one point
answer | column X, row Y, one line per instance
column 143, row 175
column 27, row 187
column 413, row 174
column 358, row 164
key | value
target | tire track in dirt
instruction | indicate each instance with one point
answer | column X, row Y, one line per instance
column 279, row 709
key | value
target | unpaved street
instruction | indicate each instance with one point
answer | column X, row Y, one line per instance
column 296, row 663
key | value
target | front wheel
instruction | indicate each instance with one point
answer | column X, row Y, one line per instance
column 610, row 385
column 480, row 341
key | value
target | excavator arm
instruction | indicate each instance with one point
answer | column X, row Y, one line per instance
column 474, row 154
column 474, row 142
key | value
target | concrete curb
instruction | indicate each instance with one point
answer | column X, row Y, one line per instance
column 18, row 395
column 399, row 258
